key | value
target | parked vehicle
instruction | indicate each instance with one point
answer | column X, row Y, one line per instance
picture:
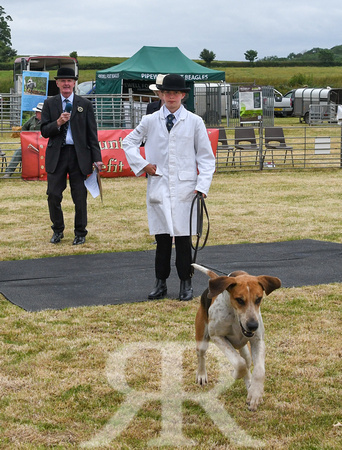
column 41, row 64
column 211, row 99
column 87, row 87
column 283, row 104
column 328, row 98
column 35, row 64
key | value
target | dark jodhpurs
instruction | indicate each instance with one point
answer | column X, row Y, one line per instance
column 163, row 256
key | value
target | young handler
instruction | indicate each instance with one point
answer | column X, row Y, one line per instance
column 179, row 163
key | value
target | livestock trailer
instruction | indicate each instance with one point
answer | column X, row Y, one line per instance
column 327, row 99
column 42, row 63
column 35, row 64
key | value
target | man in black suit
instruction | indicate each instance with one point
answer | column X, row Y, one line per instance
column 155, row 106
column 68, row 121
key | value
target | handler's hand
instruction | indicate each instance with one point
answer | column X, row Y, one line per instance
column 151, row 169
column 204, row 196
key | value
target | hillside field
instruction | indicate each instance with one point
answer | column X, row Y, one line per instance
column 282, row 78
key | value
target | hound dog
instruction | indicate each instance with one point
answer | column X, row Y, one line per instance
column 230, row 316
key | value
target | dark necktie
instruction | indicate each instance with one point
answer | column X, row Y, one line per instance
column 66, row 125
column 169, row 122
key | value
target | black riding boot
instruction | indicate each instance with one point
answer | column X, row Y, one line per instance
column 185, row 291
column 159, row 291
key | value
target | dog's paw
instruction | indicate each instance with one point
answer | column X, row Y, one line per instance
column 202, row 378
column 253, row 401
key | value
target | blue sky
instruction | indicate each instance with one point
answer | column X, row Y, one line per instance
column 121, row 28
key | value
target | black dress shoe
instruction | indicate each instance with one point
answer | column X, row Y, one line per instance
column 159, row 291
column 79, row 240
column 185, row 292
column 56, row 237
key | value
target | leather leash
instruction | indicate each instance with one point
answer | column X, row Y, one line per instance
column 201, row 210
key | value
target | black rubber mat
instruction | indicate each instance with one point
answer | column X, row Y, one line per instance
column 114, row 278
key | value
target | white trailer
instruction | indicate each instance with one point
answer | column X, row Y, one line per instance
column 41, row 63
column 327, row 99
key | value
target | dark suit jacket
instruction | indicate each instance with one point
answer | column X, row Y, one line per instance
column 84, row 133
column 153, row 107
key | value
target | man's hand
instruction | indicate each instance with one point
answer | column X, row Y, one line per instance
column 63, row 118
column 100, row 166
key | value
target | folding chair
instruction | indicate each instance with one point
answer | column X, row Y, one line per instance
column 245, row 135
column 222, row 140
column 275, row 140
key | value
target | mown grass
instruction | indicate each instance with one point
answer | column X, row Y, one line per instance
column 56, row 391
column 244, row 207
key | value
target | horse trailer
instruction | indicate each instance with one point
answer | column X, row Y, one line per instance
column 307, row 101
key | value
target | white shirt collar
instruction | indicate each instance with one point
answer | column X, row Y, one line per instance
column 70, row 98
column 177, row 113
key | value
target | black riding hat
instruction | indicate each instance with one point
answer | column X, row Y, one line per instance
column 173, row 82
column 66, row 73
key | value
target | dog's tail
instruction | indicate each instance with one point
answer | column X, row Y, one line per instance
column 208, row 272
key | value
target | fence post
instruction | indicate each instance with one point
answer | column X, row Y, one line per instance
column 261, row 138
column 341, row 147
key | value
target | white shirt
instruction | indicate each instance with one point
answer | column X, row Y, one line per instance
column 166, row 112
column 69, row 140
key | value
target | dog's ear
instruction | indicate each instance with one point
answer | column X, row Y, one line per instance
column 237, row 273
column 269, row 284
column 219, row 284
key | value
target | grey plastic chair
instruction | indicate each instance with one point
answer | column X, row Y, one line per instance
column 223, row 144
column 245, row 140
column 275, row 140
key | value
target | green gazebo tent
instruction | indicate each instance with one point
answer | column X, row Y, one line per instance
column 146, row 64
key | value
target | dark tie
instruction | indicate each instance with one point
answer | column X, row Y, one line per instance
column 169, row 122
column 66, row 125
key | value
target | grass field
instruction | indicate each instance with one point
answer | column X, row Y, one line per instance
column 60, row 374
column 282, row 78
column 60, row 379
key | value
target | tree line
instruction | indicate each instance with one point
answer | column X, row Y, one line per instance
column 316, row 56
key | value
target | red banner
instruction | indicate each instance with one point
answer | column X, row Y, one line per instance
column 33, row 147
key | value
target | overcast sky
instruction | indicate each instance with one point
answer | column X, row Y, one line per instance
column 120, row 28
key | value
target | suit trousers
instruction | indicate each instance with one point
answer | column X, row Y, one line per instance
column 57, row 182
column 163, row 256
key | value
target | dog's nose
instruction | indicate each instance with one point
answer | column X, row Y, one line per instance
column 252, row 324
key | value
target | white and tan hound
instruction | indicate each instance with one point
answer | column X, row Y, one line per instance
column 230, row 316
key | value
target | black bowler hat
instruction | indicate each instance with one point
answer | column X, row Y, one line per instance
column 173, row 82
column 66, row 73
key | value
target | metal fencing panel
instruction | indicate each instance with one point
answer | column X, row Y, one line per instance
column 211, row 102
column 318, row 114
column 10, row 110
column 305, row 148
column 111, row 111
column 233, row 107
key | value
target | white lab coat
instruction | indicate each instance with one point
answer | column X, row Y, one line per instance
column 185, row 163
